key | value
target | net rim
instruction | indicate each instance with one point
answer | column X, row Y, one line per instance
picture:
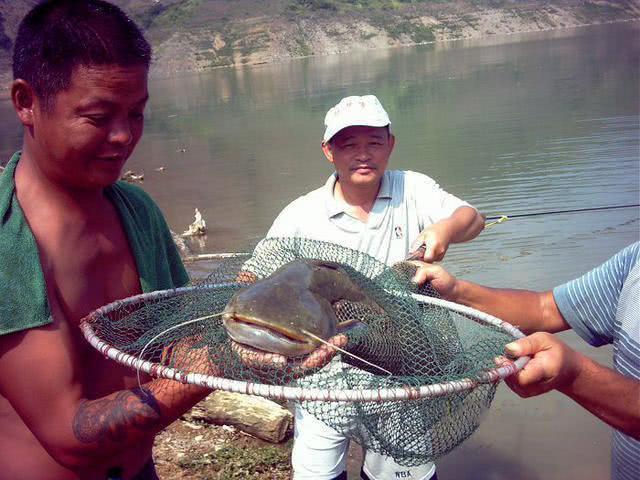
column 300, row 394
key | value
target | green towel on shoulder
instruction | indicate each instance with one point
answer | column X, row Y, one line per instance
column 23, row 297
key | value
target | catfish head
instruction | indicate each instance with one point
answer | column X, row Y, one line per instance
column 274, row 314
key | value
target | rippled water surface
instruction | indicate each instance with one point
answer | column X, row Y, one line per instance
column 516, row 125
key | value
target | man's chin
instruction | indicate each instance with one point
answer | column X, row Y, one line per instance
column 365, row 178
column 110, row 175
column 102, row 180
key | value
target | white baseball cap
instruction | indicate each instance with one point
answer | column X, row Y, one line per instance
column 350, row 111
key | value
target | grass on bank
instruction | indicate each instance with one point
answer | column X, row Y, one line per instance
column 238, row 462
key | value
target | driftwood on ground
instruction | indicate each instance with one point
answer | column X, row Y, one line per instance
column 256, row 416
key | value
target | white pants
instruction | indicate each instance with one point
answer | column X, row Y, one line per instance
column 320, row 453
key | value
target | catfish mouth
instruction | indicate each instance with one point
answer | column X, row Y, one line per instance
column 274, row 330
column 266, row 336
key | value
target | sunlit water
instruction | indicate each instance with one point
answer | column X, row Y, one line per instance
column 521, row 124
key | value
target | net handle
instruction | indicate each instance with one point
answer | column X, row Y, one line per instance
column 299, row 393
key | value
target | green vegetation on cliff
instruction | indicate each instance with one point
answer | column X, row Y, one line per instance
column 196, row 35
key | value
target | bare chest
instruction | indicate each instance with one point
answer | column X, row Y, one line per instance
column 86, row 260
column 81, row 277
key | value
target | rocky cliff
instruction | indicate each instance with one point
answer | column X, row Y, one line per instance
column 198, row 35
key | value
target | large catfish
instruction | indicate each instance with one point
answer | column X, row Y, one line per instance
column 277, row 313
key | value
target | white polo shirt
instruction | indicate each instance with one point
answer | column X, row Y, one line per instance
column 406, row 204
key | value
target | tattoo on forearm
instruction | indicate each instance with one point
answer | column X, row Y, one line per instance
column 112, row 419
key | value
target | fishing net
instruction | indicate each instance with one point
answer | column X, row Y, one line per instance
column 412, row 383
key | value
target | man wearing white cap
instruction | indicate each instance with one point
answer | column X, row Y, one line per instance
column 386, row 214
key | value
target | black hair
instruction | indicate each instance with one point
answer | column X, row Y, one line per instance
column 57, row 36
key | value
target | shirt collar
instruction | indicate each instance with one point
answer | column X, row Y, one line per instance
column 7, row 186
column 335, row 207
column 385, row 188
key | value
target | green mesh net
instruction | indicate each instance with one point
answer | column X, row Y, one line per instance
column 395, row 341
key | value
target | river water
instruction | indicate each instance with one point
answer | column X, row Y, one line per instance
column 520, row 124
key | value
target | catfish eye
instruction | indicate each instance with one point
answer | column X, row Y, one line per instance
column 328, row 265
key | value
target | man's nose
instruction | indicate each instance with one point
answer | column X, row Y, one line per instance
column 362, row 153
column 121, row 133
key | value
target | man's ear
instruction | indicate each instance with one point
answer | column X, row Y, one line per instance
column 392, row 142
column 326, row 149
column 24, row 101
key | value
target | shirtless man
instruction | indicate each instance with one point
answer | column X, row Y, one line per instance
column 72, row 240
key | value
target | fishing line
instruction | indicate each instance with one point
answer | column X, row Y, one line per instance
column 501, row 218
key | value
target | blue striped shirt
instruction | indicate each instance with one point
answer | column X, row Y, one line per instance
column 602, row 307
